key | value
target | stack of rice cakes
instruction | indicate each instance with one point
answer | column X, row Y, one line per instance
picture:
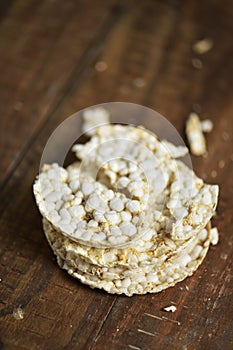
column 127, row 217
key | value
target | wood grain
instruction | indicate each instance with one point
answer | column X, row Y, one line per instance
column 43, row 50
column 48, row 54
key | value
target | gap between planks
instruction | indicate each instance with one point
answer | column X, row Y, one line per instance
column 88, row 57
column 104, row 320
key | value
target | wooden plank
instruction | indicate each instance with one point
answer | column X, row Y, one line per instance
column 42, row 44
column 25, row 286
column 159, row 52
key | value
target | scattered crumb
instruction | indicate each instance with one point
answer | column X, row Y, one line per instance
column 195, row 135
column 186, row 287
column 92, row 117
column 71, row 325
column 0, row 280
column 196, row 62
column 117, row 329
column 225, row 136
column 139, row 82
column 101, row 66
column 171, row 308
column 134, row 347
column 214, row 236
column 207, row 125
column 221, row 164
column 214, row 173
column 223, row 256
column 202, row 46
column 18, row 105
column 18, row 313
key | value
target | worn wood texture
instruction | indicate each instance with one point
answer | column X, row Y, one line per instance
column 48, row 54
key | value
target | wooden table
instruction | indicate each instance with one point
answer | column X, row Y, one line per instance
column 48, row 69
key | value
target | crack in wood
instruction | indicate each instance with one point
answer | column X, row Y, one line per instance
column 163, row 318
column 104, row 320
column 147, row 333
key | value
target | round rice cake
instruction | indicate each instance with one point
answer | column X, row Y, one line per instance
column 171, row 184
column 149, row 250
column 145, row 279
column 88, row 211
column 127, row 217
column 97, row 214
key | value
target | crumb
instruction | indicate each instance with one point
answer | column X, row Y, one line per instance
column 195, row 135
column 213, row 173
column 202, row 46
column 207, row 125
column 221, row 164
column 223, row 256
column 18, row 313
column 139, row 82
column 18, row 105
column 196, row 62
column 101, row 66
column 171, row 308
column 92, row 117
column 214, row 236
column 225, row 136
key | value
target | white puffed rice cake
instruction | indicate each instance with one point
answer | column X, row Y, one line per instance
column 127, row 208
column 124, row 280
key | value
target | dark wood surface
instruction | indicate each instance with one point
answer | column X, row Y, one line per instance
column 48, row 53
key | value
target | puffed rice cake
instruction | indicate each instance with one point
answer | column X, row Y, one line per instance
column 127, row 217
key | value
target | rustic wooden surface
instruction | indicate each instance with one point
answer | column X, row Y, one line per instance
column 49, row 50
